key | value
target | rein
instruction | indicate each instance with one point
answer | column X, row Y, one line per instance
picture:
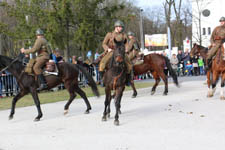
column 9, row 64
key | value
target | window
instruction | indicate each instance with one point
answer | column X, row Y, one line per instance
column 209, row 30
column 203, row 31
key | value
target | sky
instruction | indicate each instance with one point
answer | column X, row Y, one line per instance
column 147, row 3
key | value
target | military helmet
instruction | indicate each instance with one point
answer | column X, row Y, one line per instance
column 119, row 23
column 130, row 33
column 222, row 19
column 39, row 32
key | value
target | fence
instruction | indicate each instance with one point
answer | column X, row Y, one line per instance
column 9, row 86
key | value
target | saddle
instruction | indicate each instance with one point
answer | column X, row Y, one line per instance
column 50, row 68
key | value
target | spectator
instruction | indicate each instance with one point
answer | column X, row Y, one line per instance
column 195, row 65
column 186, row 57
column 96, row 68
column 201, row 64
column 189, row 68
column 174, row 62
column 74, row 59
column 180, row 57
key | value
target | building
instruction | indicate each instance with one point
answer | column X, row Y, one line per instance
column 205, row 17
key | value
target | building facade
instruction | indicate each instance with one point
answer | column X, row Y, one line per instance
column 205, row 17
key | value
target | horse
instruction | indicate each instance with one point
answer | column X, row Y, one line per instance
column 155, row 63
column 68, row 74
column 114, row 79
column 215, row 71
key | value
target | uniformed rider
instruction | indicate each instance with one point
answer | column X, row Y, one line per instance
column 217, row 39
column 41, row 48
column 109, row 46
column 133, row 46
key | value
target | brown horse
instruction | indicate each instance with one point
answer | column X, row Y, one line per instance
column 215, row 71
column 155, row 63
column 114, row 79
column 68, row 74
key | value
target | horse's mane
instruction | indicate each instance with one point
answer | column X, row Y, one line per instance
column 202, row 47
column 17, row 65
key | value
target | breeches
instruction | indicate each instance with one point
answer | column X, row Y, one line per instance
column 106, row 59
column 213, row 51
column 40, row 62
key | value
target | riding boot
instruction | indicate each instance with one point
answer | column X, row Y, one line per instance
column 43, row 84
column 101, row 75
column 208, row 64
column 128, row 79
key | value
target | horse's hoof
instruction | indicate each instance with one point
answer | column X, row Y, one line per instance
column 152, row 92
column 116, row 122
column 222, row 98
column 104, row 118
column 134, row 95
column 10, row 117
column 66, row 112
column 37, row 119
column 108, row 115
column 164, row 94
column 86, row 112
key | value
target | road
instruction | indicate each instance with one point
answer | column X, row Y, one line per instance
column 183, row 120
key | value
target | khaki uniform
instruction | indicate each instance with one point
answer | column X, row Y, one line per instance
column 109, row 43
column 133, row 49
column 40, row 46
column 217, row 37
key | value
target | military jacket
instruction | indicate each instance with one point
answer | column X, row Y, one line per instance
column 40, row 46
column 218, row 34
column 109, row 40
column 133, row 45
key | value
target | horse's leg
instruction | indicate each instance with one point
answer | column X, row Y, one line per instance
column 37, row 103
column 15, row 99
column 214, row 82
column 222, row 87
column 157, row 80
column 165, row 80
column 107, row 102
column 134, row 89
column 71, row 89
column 119, row 94
column 83, row 95
column 208, row 83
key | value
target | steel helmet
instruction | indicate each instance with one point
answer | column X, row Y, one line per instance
column 39, row 32
column 130, row 33
column 222, row 19
column 119, row 23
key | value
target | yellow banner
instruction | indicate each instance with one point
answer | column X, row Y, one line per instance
column 156, row 40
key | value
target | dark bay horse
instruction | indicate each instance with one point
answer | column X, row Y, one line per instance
column 217, row 70
column 114, row 79
column 155, row 63
column 68, row 74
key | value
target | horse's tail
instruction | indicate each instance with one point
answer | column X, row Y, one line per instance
column 91, row 81
column 171, row 71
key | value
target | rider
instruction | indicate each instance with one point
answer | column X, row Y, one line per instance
column 109, row 46
column 40, row 46
column 133, row 48
column 217, row 39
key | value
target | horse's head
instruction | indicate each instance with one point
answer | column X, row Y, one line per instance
column 119, row 52
column 195, row 50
